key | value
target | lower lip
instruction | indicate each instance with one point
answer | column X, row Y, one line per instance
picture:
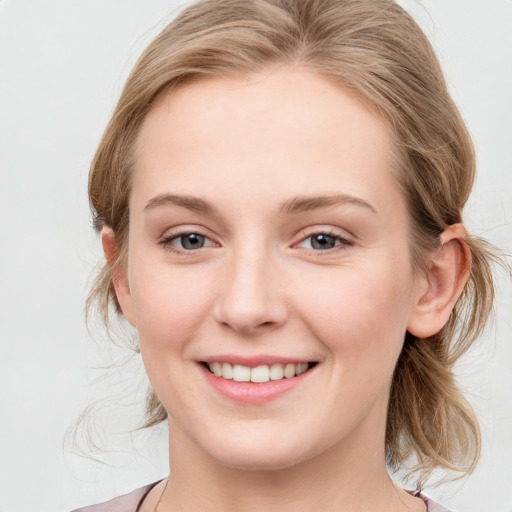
column 251, row 392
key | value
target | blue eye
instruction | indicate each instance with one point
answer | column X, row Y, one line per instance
column 324, row 241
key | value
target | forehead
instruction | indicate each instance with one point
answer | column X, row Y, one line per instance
column 284, row 132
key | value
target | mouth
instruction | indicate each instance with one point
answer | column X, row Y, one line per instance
column 258, row 374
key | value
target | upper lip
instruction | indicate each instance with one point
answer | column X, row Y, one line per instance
column 253, row 361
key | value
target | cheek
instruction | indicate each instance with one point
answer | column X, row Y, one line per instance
column 170, row 306
column 360, row 313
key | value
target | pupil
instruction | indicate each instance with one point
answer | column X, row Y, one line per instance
column 192, row 241
column 323, row 242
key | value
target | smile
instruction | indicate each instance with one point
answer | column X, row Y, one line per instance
column 257, row 374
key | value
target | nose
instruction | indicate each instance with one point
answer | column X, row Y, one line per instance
column 250, row 297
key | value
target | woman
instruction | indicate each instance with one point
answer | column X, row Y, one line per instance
column 279, row 194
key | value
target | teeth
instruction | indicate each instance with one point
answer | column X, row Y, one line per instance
column 227, row 371
column 217, row 369
column 276, row 372
column 262, row 373
column 301, row 368
column 289, row 371
column 241, row 373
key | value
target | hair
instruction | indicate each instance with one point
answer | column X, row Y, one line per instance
column 374, row 50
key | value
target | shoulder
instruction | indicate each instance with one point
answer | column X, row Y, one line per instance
column 126, row 503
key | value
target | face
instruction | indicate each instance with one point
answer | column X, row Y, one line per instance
column 269, row 274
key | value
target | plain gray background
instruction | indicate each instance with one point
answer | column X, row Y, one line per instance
column 62, row 64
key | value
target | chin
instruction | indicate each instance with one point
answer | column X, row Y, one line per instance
column 260, row 462
column 261, row 456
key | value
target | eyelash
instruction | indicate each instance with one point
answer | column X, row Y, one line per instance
column 341, row 243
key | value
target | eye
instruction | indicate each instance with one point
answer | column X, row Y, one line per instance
column 324, row 241
column 190, row 241
column 186, row 241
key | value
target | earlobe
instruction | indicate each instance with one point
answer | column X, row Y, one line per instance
column 120, row 284
column 446, row 277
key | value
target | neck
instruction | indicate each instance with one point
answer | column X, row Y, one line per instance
column 340, row 479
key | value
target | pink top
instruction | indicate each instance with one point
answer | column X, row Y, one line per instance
column 131, row 502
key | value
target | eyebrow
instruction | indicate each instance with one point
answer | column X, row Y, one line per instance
column 294, row 205
column 306, row 203
column 189, row 202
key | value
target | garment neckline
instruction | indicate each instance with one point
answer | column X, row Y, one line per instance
column 147, row 490
column 149, row 487
column 417, row 494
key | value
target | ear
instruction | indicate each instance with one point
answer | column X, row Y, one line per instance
column 120, row 284
column 443, row 283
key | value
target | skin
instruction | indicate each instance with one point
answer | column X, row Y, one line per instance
column 259, row 286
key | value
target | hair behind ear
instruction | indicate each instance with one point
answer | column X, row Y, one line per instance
column 476, row 302
column 425, row 400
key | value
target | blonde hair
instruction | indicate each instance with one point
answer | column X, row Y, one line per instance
column 375, row 50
